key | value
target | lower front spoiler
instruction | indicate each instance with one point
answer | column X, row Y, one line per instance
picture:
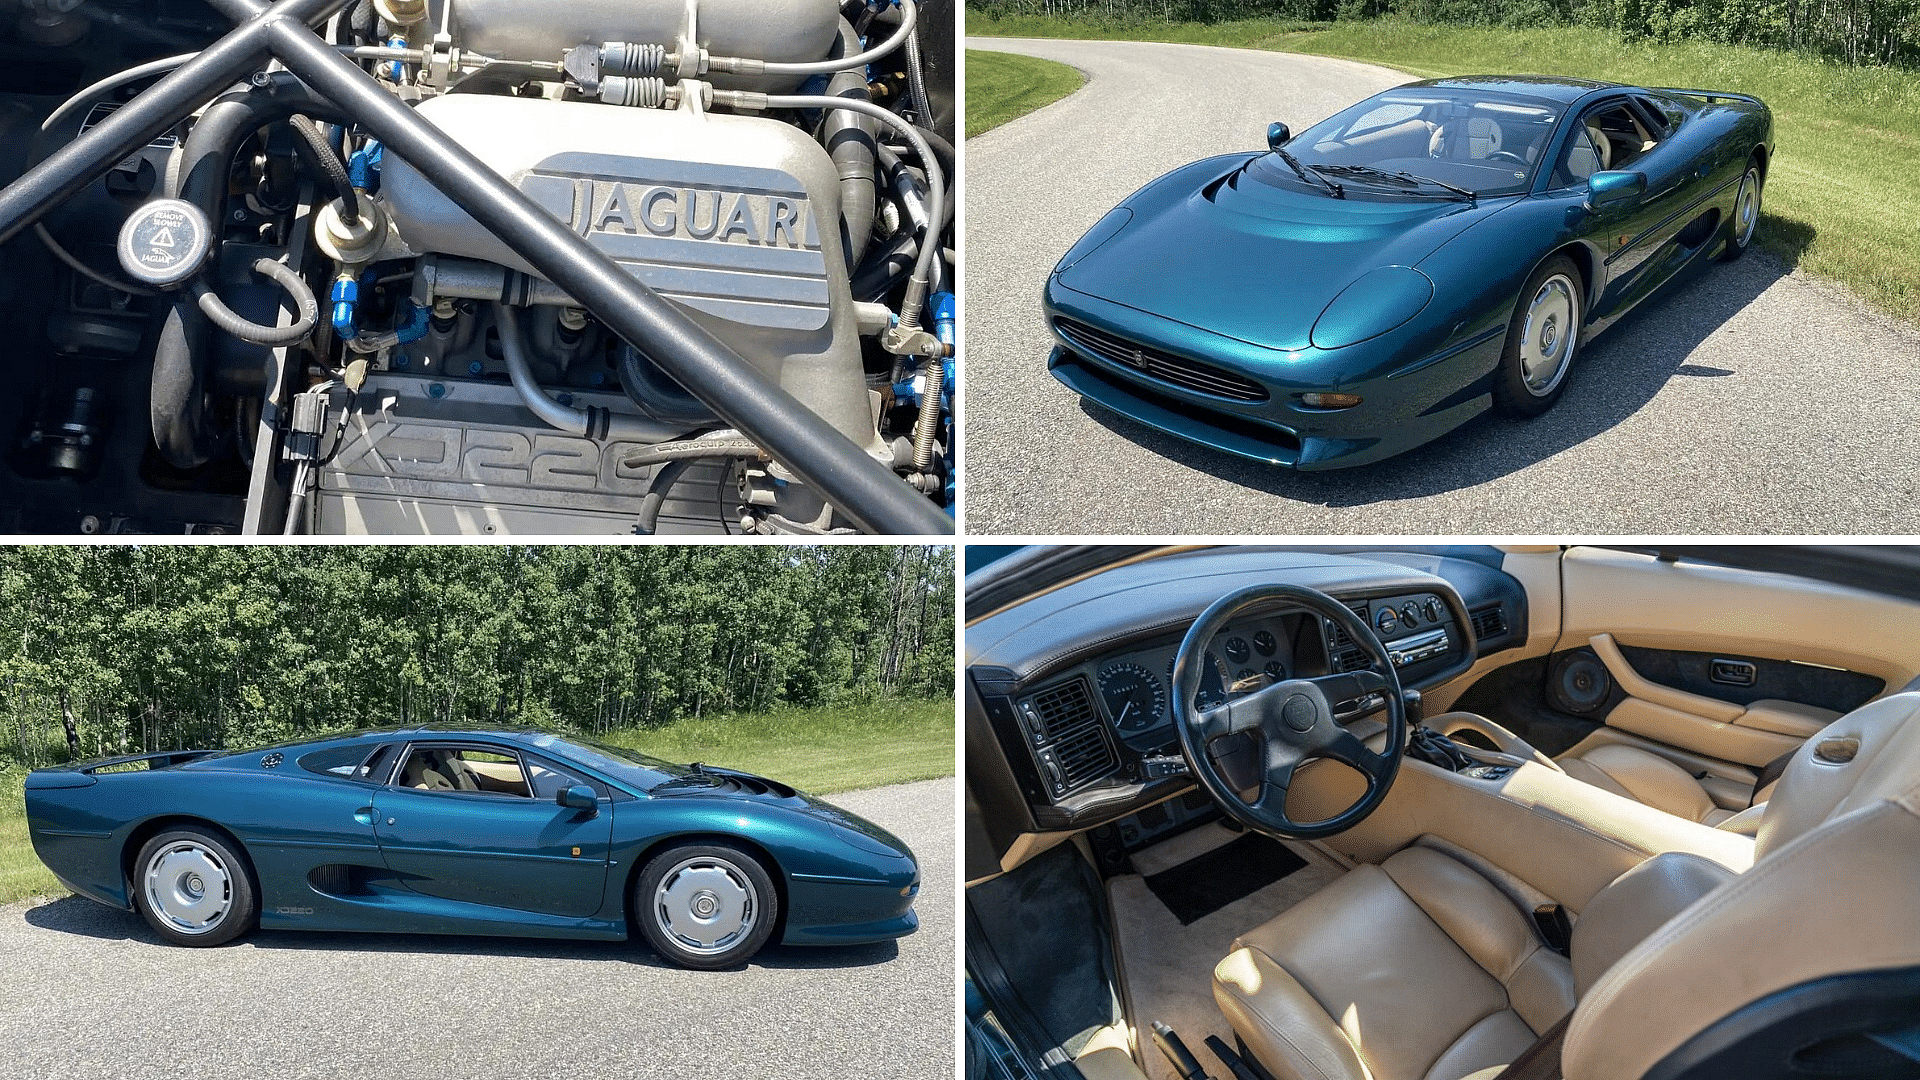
column 1251, row 439
column 898, row 926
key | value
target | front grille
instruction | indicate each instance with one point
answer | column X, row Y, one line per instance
column 1489, row 622
column 1164, row 366
column 1069, row 737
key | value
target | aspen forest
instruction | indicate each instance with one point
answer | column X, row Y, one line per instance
column 133, row 649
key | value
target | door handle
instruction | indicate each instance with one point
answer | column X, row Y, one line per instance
column 364, row 815
column 1732, row 672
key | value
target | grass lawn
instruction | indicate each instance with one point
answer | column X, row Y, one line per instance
column 1001, row 86
column 1846, row 169
column 818, row 750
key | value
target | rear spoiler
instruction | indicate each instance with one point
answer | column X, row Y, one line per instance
column 81, row 773
column 1709, row 95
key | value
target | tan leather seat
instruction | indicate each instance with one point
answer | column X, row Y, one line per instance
column 1646, row 777
column 1420, row 969
column 1415, row 968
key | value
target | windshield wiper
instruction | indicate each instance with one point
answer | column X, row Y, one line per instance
column 1292, row 163
column 1403, row 178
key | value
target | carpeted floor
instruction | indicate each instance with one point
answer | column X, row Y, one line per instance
column 1169, row 967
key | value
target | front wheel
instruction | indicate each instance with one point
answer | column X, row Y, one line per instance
column 1746, row 216
column 194, row 889
column 706, row 906
column 1542, row 340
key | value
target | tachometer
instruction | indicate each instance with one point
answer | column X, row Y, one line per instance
column 1134, row 697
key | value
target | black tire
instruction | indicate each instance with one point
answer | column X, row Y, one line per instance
column 670, row 892
column 1740, row 228
column 1514, row 392
column 195, row 888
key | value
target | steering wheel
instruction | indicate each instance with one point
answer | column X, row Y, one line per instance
column 1506, row 155
column 1283, row 726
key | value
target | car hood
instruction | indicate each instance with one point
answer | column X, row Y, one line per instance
column 1259, row 263
column 730, row 784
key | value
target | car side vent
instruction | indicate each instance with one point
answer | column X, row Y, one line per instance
column 1070, row 740
column 1489, row 622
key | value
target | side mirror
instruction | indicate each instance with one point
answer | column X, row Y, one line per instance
column 578, row 797
column 1277, row 135
column 1610, row 188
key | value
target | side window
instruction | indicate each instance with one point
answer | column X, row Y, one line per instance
column 1611, row 136
column 472, row 770
column 345, row 762
column 548, row 779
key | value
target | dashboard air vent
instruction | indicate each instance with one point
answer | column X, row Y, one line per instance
column 1345, row 655
column 1069, row 738
column 1489, row 622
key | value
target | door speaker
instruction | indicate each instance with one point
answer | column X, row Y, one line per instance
column 1579, row 683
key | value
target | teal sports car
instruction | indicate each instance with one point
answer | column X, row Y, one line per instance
column 448, row 830
column 1433, row 252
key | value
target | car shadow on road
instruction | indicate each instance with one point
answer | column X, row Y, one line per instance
column 76, row 915
column 1614, row 379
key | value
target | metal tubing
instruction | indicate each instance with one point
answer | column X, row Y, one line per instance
column 141, row 120
column 862, row 487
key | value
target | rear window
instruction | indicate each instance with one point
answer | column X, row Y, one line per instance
column 346, row 762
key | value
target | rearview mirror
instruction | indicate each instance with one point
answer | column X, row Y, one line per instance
column 1608, row 188
column 1277, row 135
column 577, row 797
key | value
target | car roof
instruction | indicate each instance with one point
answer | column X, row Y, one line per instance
column 1549, row 87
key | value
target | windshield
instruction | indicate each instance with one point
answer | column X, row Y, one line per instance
column 1417, row 142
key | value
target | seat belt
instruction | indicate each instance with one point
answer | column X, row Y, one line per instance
column 1541, row 1061
column 1771, row 771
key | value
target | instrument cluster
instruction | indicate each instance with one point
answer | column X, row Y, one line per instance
column 1135, row 687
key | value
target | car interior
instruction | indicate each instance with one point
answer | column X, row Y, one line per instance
column 1437, row 814
column 481, row 772
column 1611, row 137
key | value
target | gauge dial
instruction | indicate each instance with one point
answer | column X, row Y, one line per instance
column 1264, row 644
column 1237, row 650
column 1134, row 696
column 1276, row 671
column 1213, row 683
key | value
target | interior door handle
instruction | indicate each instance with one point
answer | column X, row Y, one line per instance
column 1732, row 672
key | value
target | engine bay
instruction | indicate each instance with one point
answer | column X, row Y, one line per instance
column 265, row 320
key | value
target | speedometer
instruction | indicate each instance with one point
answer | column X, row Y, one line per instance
column 1134, row 697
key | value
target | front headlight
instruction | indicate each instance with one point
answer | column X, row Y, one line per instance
column 1378, row 301
column 1103, row 230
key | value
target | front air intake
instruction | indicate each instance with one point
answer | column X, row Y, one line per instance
column 1070, row 740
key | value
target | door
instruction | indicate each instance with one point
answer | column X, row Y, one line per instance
column 1719, row 664
column 1636, row 235
column 478, row 824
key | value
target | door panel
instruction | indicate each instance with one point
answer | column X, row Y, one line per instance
column 1735, row 665
column 503, row 851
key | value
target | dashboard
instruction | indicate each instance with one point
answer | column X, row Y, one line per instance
column 1073, row 686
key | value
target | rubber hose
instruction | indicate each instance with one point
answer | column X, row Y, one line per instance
column 252, row 332
column 914, row 306
column 597, row 424
column 849, row 139
column 670, row 473
column 321, row 157
column 656, row 392
column 177, row 401
column 917, row 80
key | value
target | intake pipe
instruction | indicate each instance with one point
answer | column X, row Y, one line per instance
column 178, row 407
column 850, row 141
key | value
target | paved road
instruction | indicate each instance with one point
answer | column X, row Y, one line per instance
column 1749, row 400
column 90, row 992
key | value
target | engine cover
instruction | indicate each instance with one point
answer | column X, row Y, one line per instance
column 736, row 219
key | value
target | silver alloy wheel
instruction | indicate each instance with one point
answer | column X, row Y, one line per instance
column 1746, row 208
column 706, row 905
column 1548, row 337
column 189, row 886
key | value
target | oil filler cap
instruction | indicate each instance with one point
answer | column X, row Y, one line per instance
column 165, row 242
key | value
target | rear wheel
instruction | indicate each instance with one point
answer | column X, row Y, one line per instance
column 1746, row 215
column 1542, row 340
column 194, row 889
column 706, row 906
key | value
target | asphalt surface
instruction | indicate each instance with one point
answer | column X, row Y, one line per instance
column 1744, row 399
column 86, row 991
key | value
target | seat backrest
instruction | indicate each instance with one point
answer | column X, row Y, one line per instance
column 1582, row 159
column 1471, row 138
column 1815, row 944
